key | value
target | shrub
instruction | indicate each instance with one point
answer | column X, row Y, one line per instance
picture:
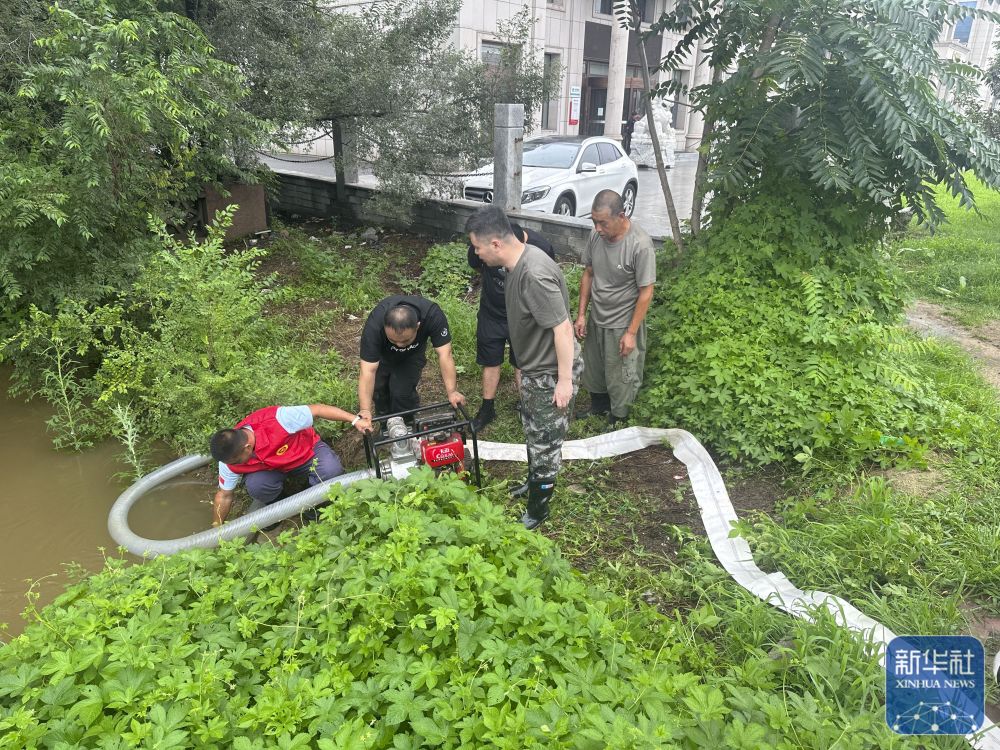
column 414, row 615
column 777, row 338
column 188, row 349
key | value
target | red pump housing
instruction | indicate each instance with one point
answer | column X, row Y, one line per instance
column 443, row 451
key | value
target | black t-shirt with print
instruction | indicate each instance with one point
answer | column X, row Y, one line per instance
column 491, row 301
column 375, row 345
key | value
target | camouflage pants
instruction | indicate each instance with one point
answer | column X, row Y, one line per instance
column 545, row 425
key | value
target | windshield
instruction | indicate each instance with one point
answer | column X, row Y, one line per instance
column 552, row 155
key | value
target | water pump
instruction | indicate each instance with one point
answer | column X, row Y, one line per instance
column 434, row 436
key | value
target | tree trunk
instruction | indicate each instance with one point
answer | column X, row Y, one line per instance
column 668, row 196
column 701, row 172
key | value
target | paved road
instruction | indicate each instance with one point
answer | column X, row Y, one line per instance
column 650, row 208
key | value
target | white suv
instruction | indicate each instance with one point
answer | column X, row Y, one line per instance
column 562, row 174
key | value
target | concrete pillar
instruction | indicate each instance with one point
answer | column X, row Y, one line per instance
column 617, row 63
column 345, row 149
column 508, row 147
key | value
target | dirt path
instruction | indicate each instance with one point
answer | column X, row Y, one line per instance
column 983, row 344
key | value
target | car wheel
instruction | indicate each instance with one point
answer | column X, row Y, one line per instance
column 628, row 198
column 564, row 206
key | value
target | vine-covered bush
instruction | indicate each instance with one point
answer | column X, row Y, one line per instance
column 414, row 615
column 417, row 614
column 777, row 338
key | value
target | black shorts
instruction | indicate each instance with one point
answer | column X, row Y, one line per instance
column 491, row 338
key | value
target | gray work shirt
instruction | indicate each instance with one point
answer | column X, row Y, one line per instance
column 537, row 301
column 620, row 269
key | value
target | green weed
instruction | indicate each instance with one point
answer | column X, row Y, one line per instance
column 337, row 267
column 414, row 614
column 446, row 272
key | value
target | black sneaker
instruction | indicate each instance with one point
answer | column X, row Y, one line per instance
column 483, row 419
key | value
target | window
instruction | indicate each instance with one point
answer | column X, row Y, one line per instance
column 491, row 52
column 963, row 29
column 608, row 153
column 550, row 97
column 607, row 8
column 591, row 155
column 678, row 112
column 597, row 68
column 553, row 155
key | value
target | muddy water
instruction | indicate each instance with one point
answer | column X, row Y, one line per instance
column 55, row 507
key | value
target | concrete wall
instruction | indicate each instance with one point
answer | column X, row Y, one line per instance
column 312, row 196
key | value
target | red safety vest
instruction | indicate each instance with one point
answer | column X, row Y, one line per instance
column 276, row 448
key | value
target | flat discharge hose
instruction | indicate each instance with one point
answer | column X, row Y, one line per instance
column 718, row 515
column 289, row 507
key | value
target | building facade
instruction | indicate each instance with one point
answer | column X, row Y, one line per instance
column 578, row 36
column 601, row 82
column 972, row 40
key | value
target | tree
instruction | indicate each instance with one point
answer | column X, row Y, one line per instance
column 120, row 113
column 385, row 72
column 846, row 97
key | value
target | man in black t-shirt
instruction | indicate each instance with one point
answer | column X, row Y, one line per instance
column 393, row 355
column 492, row 334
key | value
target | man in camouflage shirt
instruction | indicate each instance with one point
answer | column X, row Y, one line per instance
column 541, row 336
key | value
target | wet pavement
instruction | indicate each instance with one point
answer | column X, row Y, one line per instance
column 650, row 209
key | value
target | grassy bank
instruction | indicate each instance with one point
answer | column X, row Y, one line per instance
column 958, row 265
column 915, row 547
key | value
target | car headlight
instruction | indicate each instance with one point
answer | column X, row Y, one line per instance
column 535, row 194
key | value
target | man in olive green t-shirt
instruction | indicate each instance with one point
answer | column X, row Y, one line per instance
column 617, row 283
column 541, row 337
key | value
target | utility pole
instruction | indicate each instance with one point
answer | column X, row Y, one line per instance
column 508, row 149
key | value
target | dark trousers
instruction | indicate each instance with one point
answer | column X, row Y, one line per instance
column 396, row 385
column 265, row 486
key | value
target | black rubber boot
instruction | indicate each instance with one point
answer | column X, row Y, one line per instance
column 539, row 493
column 600, row 405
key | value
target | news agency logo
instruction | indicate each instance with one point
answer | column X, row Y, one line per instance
column 935, row 684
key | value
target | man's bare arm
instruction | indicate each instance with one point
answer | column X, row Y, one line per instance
column 221, row 506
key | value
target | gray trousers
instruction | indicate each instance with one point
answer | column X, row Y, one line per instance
column 607, row 371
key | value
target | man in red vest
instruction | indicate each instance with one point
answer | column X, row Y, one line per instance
column 270, row 445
